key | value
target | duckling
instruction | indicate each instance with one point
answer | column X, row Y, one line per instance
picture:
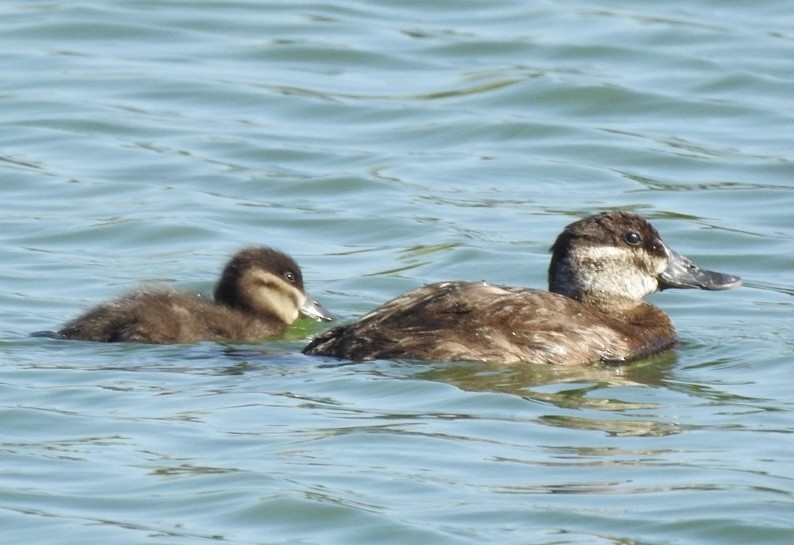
column 602, row 267
column 259, row 294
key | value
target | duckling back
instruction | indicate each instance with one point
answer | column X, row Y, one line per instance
column 162, row 317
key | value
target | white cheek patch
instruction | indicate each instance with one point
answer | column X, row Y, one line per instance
column 600, row 253
column 284, row 304
column 622, row 271
column 269, row 293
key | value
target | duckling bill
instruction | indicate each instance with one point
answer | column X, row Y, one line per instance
column 259, row 294
column 602, row 267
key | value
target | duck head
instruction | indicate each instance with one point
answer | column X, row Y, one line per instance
column 614, row 259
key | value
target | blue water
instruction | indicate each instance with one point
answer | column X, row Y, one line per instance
column 384, row 145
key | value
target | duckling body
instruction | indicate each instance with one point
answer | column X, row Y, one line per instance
column 165, row 317
column 259, row 294
column 602, row 267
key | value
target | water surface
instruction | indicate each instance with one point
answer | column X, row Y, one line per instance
column 384, row 145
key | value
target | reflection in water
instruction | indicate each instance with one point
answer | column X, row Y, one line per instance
column 615, row 428
column 525, row 380
column 571, row 388
column 576, row 396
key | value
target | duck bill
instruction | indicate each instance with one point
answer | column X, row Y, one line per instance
column 313, row 309
column 682, row 273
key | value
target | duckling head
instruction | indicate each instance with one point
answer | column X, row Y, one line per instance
column 264, row 281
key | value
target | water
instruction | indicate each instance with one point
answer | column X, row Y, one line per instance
column 387, row 144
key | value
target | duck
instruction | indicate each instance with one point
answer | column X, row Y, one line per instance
column 259, row 294
column 602, row 267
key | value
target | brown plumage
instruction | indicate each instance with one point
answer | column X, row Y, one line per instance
column 258, row 295
column 601, row 268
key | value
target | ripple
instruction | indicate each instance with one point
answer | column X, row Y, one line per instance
column 387, row 145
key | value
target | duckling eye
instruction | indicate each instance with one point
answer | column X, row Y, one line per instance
column 633, row 238
column 290, row 277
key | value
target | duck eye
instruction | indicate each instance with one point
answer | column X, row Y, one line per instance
column 290, row 277
column 633, row 238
